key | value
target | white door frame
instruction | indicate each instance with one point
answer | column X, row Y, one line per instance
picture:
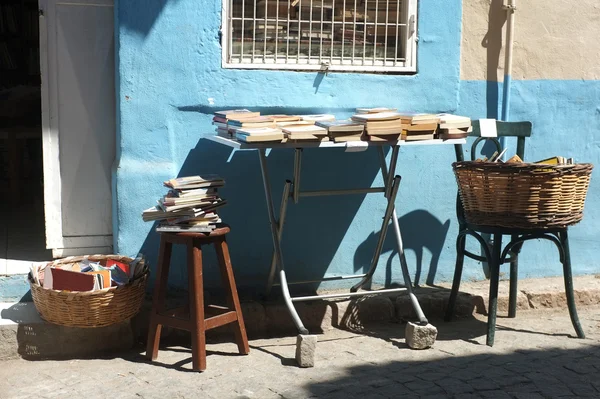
column 60, row 245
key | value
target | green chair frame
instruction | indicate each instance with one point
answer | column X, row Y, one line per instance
column 493, row 253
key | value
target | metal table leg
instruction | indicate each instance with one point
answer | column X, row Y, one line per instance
column 282, row 213
column 403, row 264
column 382, row 234
column 276, row 243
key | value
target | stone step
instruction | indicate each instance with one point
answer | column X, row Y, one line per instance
column 24, row 334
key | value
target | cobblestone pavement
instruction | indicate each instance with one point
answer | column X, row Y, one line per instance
column 535, row 356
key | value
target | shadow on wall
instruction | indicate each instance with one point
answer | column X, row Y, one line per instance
column 146, row 14
column 492, row 42
column 420, row 230
column 315, row 227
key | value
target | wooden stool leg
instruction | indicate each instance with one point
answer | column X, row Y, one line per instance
column 158, row 299
column 196, row 292
column 233, row 300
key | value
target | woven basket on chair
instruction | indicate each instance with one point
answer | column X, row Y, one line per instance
column 522, row 195
column 90, row 308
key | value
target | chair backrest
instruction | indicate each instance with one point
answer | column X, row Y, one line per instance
column 520, row 130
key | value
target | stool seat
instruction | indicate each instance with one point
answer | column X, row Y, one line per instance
column 222, row 230
column 196, row 317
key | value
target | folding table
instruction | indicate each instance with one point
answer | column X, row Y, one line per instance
column 292, row 190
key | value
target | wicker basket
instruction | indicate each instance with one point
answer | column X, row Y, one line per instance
column 522, row 195
column 91, row 308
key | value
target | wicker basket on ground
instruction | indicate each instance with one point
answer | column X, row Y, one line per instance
column 522, row 195
column 90, row 308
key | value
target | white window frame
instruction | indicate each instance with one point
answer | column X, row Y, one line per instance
column 409, row 65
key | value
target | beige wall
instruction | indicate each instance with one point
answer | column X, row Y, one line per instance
column 554, row 39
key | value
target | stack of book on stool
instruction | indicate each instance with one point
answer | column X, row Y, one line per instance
column 343, row 130
column 381, row 126
column 419, row 126
column 454, row 126
column 189, row 206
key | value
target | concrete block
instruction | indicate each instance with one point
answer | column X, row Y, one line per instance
column 23, row 333
column 305, row 350
column 420, row 337
column 375, row 309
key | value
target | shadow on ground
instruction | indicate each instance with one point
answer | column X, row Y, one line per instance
column 546, row 373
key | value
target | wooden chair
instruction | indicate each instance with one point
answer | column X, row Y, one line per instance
column 493, row 253
column 193, row 317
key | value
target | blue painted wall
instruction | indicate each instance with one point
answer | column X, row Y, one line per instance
column 170, row 81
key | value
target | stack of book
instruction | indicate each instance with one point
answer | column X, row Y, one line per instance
column 419, row 126
column 221, row 119
column 255, row 129
column 343, row 130
column 381, row 126
column 375, row 110
column 305, row 132
column 87, row 275
column 453, row 126
column 259, row 134
column 190, row 205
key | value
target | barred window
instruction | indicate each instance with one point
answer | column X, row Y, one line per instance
column 334, row 35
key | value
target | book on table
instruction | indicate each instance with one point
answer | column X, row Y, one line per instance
column 317, row 117
column 307, row 132
column 294, row 123
column 256, row 135
column 448, row 121
column 378, row 116
column 422, row 127
column 236, row 114
column 454, row 133
column 384, row 138
column 341, row 126
column 284, row 118
column 418, row 136
column 347, row 138
column 376, row 110
column 453, row 126
column 307, row 137
column 385, row 131
column 414, row 118
column 259, row 121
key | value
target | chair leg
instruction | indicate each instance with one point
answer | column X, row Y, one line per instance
column 196, row 293
column 460, row 258
column 514, row 275
column 158, row 299
column 493, row 297
column 564, row 239
column 233, row 301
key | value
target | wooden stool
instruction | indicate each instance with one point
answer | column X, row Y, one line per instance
column 194, row 320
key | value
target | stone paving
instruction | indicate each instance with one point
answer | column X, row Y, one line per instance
column 535, row 356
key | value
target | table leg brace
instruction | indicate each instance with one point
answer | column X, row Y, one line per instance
column 276, row 243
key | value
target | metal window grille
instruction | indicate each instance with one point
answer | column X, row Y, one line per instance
column 342, row 35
